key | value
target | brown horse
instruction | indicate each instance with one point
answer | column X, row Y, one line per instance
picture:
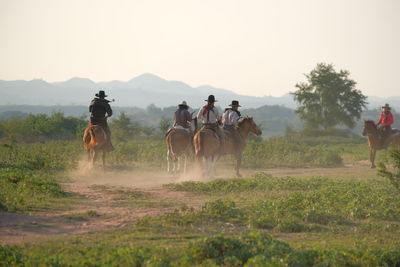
column 206, row 145
column 374, row 140
column 246, row 126
column 207, row 149
column 179, row 145
column 94, row 141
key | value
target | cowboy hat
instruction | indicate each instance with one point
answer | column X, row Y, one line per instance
column 101, row 94
column 386, row 106
column 183, row 104
column 235, row 103
column 211, row 99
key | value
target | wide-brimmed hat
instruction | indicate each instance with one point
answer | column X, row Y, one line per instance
column 101, row 94
column 386, row 106
column 183, row 104
column 211, row 99
column 235, row 103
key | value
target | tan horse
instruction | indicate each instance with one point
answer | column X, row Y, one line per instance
column 375, row 141
column 206, row 145
column 207, row 150
column 246, row 126
column 179, row 145
column 94, row 141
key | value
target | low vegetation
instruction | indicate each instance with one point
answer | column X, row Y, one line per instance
column 255, row 221
column 258, row 221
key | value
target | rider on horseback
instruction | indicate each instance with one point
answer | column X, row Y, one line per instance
column 211, row 119
column 230, row 120
column 384, row 124
column 182, row 117
column 98, row 109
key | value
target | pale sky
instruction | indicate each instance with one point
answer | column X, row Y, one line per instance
column 253, row 47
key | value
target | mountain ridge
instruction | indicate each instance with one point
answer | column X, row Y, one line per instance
column 140, row 91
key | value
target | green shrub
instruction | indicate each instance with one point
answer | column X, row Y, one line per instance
column 10, row 256
column 23, row 189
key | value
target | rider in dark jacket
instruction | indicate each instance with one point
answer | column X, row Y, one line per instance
column 98, row 108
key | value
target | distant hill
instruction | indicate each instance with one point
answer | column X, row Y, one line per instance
column 138, row 92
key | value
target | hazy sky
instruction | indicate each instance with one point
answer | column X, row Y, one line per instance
column 254, row 47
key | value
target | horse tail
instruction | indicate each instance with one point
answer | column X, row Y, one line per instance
column 93, row 138
column 87, row 138
column 200, row 145
column 170, row 142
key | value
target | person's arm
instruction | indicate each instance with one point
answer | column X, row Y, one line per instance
column 188, row 116
column 109, row 110
column 234, row 118
column 200, row 114
column 91, row 106
column 389, row 119
column 380, row 119
column 174, row 119
column 217, row 115
column 225, row 117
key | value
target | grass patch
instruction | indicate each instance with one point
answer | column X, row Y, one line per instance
column 86, row 216
column 132, row 198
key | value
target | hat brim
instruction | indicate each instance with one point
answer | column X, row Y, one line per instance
column 386, row 107
column 214, row 100
column 235, row 105
column 100, row 96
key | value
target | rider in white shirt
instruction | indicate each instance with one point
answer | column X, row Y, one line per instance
column 230, row 120
column 209, row 114
column 211, row 118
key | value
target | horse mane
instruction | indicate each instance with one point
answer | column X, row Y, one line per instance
column 243, row 120
column 370, row 122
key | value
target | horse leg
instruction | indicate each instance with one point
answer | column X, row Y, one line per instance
column 206, row 163
column 104, row 160
column 212, row 165
column 94, row 157
column 238, row 163
column 178, row 163
column 199, row 164
column 184, row 163
column 169, row 163
column 372, row 157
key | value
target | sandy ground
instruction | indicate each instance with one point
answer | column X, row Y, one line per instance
column 19, row 228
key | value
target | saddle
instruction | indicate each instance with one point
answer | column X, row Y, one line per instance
column 213, row 128
column 179, row 128
column 386, row 134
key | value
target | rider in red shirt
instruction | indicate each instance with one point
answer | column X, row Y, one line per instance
column 384, row 124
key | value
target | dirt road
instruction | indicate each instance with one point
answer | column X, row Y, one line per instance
column 117, row 198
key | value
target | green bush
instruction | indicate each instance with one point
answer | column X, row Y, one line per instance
column 10, row 256
column 23, row 189
column 280, row 152
column 221, row 209
column 306, row 205
column 224, row 250
column 38, row 127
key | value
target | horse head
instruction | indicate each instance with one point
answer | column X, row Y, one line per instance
column 369, row 127
column 248, row 123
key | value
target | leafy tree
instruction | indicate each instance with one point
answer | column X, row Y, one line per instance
column 121, row 127
column 329, row 98
column 164, row 124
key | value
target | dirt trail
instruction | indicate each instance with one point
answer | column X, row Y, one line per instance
column 104, row 206
column 100, row 196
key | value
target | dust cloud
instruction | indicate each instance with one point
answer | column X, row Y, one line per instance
column 135, row 177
